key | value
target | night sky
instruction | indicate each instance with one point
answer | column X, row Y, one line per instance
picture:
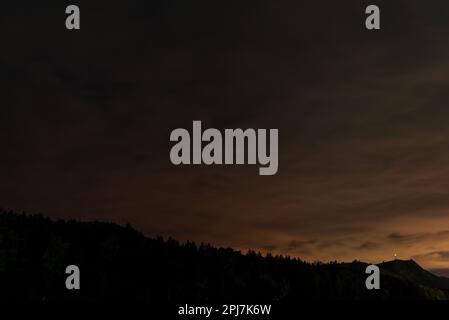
column 363, row 119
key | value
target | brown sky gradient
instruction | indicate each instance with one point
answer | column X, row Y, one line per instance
column 363, row 122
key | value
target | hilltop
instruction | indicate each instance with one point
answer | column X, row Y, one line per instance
column 409, row 270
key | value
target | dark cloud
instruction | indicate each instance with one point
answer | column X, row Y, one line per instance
column 302, row 243
column 417, row 237
column 435, row 255
column 368, row 245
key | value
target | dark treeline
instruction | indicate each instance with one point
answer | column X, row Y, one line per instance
column 120, row 263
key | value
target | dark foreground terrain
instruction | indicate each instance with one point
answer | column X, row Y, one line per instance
column 120, row 263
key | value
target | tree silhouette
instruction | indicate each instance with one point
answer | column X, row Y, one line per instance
column 120, row 263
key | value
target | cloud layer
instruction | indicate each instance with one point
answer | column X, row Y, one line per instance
column 362, row 117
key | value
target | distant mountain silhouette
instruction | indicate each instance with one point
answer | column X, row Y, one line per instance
column 409, row 270
column 120, row 263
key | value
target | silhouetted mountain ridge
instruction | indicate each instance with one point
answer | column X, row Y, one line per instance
column 411, row 271
column 120, row 263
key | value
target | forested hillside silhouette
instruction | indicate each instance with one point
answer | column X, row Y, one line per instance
column 120, row 263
